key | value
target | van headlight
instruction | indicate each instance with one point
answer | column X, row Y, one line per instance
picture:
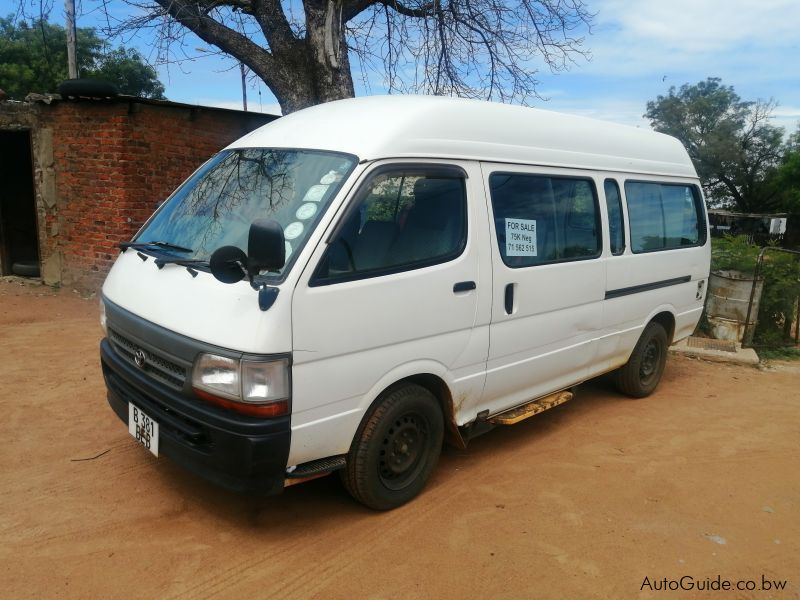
column 259, row 388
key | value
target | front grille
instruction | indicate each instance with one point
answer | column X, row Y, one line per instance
column 171, row 423
column 155, row 365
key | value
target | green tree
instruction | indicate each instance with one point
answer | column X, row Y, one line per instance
column 33, row 58
column 731, row 142
column 786, row 182
column 125, row 68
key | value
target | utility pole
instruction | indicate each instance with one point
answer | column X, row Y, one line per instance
column 244, row 87
column 72, row 62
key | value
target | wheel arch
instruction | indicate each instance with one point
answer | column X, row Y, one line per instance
column 441, row 391
column 665, row 316
column 437, row 386
column 666, row 319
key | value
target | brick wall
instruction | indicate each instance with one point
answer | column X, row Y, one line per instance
column 114, row 163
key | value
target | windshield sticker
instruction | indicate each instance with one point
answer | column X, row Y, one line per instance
column 520, row 237
column 293, row 230
column 288, row 250
column 306, row 211
column 330, row 177
column 315, row 193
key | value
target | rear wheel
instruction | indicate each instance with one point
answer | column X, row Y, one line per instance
column 641, row 374
column 396, row 448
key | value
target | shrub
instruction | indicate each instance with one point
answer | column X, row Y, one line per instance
column 781, row 273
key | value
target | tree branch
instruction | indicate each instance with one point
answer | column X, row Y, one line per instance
column 355, row 7
column 275, row 25
column 188, row 14
column 426, row 9
column 731, row 187
column 244, row 5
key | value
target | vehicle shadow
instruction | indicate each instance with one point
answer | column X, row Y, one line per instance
column 318, row 502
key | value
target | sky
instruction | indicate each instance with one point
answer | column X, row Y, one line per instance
column 639, row 48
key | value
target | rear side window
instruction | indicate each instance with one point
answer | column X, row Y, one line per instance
column 616, row 224
column 401, row 221
column 664, row 216
column 541, row 219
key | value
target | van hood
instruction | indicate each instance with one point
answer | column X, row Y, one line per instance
column 199, row 307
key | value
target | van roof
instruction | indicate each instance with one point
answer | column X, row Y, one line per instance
column 375, row 127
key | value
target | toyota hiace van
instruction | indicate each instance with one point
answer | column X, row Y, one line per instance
column 349, row 286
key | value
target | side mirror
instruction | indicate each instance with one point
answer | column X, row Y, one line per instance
column 266, row 247
column 228, row 263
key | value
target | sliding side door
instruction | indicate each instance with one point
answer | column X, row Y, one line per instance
column 548, row 283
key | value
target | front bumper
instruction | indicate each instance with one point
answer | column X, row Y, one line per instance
column 240, row 453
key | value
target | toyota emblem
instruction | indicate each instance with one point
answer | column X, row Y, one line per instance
column 139, row 357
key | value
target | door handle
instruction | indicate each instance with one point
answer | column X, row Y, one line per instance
column 464, row 286
column 509, row 298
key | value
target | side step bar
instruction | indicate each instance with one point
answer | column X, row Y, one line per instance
column 314, row 469
column 515, row 415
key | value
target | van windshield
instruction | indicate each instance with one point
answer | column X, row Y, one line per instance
column 216, row 206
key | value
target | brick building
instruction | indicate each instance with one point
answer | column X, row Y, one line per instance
column 78, row 177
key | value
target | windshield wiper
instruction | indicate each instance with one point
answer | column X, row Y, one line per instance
column 158, row 244
column 190, row 264
column 154, row 249
column 168, row 260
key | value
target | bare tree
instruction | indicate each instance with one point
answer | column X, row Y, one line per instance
column 472, row 48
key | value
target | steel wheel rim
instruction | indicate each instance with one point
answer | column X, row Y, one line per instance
column 650, row 360
column 403, row 450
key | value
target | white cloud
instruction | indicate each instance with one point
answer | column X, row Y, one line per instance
column 641, row 36
column 787, row 112
column 625, row 112
column 705, row 25
column 787, row 117
column 642, row 47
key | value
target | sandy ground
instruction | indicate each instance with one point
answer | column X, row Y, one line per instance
column 584, row 501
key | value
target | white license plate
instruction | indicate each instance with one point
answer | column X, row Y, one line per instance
column 143, row 428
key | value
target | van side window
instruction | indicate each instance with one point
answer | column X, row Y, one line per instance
column 541, row 219
column 616, row 225
column 402, row 221
column 664, row 216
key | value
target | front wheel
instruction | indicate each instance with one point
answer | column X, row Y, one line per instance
column 395, row 449
column 641, row 374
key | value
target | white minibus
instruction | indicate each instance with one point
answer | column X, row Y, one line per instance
column 350, row 286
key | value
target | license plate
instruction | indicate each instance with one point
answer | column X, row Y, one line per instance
column 143, row 428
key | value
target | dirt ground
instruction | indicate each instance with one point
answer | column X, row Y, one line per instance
column 584, row 501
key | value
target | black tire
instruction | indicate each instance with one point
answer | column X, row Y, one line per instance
column 87, row 88
column 396, row 448
column 25, row 268
column 641, row 374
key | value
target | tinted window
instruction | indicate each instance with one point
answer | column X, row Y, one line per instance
column 541, row 219
column 664, row 216
column 401, row 221
column 616, row 225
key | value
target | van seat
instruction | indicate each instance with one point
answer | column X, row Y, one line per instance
column 372, row 244
column 434, row 224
